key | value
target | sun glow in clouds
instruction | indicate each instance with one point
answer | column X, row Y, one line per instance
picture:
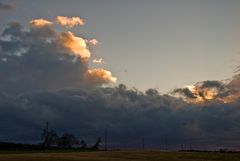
column 201, row 92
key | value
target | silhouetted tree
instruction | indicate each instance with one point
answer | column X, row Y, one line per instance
column 67, row 141
column 83, row 144
column 49, row 138
column 97, row 144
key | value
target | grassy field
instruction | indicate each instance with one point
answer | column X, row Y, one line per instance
column 120, row 156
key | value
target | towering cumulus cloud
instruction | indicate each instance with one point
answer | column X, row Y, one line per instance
column 69, row 22
column 42, row 58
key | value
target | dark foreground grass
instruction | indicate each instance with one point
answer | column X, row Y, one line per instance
column 120, row 156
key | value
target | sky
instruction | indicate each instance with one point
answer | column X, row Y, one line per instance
column 165, row 70
column 150, row 43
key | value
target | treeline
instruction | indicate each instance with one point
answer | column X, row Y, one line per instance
column 51, row 140
column 67, row 141
column 6, row 146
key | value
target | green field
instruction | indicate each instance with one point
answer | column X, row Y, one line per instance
column 120, row 156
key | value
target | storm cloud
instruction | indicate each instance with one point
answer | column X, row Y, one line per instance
column 127, row 115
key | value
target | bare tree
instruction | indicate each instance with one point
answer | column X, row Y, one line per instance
column 49, row 137
column 83, row 144
column 67, row 141
column 97, row 144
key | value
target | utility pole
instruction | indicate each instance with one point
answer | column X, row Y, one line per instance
column 47, row 135
column 47, row 127
column 105, row 140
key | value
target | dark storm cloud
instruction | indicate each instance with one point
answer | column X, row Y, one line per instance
column 4, row 6
column 126, row 114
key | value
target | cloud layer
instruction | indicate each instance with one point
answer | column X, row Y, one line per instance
column 127, row 115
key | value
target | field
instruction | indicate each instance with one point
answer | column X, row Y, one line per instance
column 119, row 156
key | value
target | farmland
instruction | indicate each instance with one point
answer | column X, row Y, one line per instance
column 118, row 156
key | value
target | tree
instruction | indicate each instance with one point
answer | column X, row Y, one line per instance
column 67, row 141
column 49, row 138
column 97, row 144
column 83, row 144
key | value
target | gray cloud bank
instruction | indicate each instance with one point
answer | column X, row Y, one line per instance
column 126, row 114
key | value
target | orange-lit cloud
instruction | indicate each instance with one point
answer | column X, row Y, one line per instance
column 39, row 23
column 69, row 22
column 205, row 91
column 98, row 61
column 76, row 45
column 93, row 41
column 201, row 94
column 99, row 77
